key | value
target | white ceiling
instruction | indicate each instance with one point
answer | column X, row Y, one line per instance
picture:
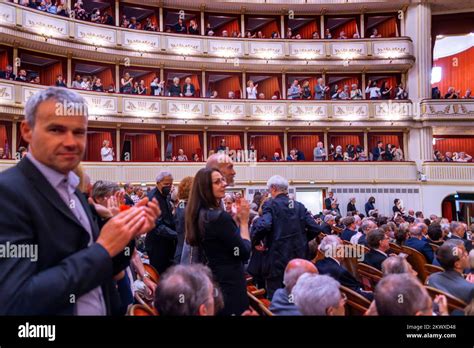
column 449, row 45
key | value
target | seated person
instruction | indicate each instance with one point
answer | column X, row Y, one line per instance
column 282, row 301
column 191, row 282
column 316, row 294
column 435, row 234
column 415, row 241
column 453, row 257
column 397, row 265
column 458, row 231
column 416, row 300
column 350, row 228
column 379, row 245
column 8, row 73
column 331, row 265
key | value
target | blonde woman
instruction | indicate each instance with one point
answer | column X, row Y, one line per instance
column 251, row 90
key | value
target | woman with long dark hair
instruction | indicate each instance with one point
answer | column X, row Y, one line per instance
column 223, row 246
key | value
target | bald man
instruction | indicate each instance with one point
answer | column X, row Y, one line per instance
column 224, row 164
column 282, row 301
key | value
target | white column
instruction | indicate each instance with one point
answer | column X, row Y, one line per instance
column 244, row 85
column 117, row 146
column 285, row 145
column 203, row 26
column 161, row 19
column 204, row 143
column 321, row 24
column 69, row 71
column 14, row 136
column 283, row 82
column 242, row 24
column 246, row 143
column 362, row 25
column 427, row 143
column 282, row 26
column 420, row 145
column 15, row 56
column 418, row 20
column 203, row 85
column 117, row 77
column 162, row 145
column 366, row 142
column 117, row 13
column 405, row 145
column 326, row 145
column 364, row 84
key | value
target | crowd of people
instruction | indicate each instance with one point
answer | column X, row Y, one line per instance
column 451, row 93
column 202, row 240
column 452, row 156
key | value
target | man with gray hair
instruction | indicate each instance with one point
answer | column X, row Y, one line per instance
column 186, row 290
column 46, row 209
column 366, row 226
column 328, row 222
column 283, row 302
column 316, row 294
column 416, row 242
column 224, row 164
column 161, row 242
column 458, row 232
column 453, row 257
column 287, row 227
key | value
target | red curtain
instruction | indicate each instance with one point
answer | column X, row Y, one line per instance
column 233, row 142
column 388, row 28
column 144, row 147
column 106, row 77
column 447, row 210
column 350, row 28
column 190, row 143
column 195, row 80
column 461, row 76
column 148, row 78
column 394, row 139
column 154, row 20
column 4, row 61
column 307, row 30
column 94, row 144
column 392, row 81
column 223, row 87
column 48, row 75
column 345, row 140
column 465, row 144
column 304, row 143
column 269, row 87
column 230, row 27
column 269, row 28
column 266, row 144
column 6, row 138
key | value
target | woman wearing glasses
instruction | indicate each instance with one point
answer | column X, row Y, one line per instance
column 223, row 246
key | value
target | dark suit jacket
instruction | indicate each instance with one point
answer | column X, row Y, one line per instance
column 347, row 234
column 453, row 283
column 286, row 227
column 374, row 258
column 467, row 243
column 3, row 75
column 327, row 203
column 128, row 200
column 330, row 267
column 422, row 246
column 34, row 213
column 326, row 228
column 368, row 207
column 362, row 239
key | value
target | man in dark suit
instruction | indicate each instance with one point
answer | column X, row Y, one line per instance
column 378, row 243
column 73, row 272
column 378, row 152
column 350, row 230
column 8, row 73
column 286, row 227
column 128, row 192
column 332, row 246
column 329, row 200
column 453, row 257
column 161, row 242
column 415, row 241
column 329, row 220
column 458, row 232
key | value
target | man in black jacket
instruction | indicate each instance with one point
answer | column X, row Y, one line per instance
column 8, row 73
column 285, row 227
column 128, row 192
column 378, row 243
column 161, row 242
column 72, row 272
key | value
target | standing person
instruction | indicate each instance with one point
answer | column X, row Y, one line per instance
column 329, row 201
column 183, row 196
column 46, row 211
column 251, row 90
column 107, row 153
column 319, row 152
column 160, row 243
column 378, row 152
column 370, row 205
column 286, row 227
column 351, row 208
column 320, row 90
column 225, row 246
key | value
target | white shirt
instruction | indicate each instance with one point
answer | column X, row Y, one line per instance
column 355, row 237
column 251, row 93
column 107, row 154
column 374, row 92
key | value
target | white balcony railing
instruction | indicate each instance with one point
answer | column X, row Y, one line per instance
column 258, row 173
column 449, row 173
column 70, row 34
column 447, row 109
column 132, row 108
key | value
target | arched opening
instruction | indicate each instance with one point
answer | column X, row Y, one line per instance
column 459, row 206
